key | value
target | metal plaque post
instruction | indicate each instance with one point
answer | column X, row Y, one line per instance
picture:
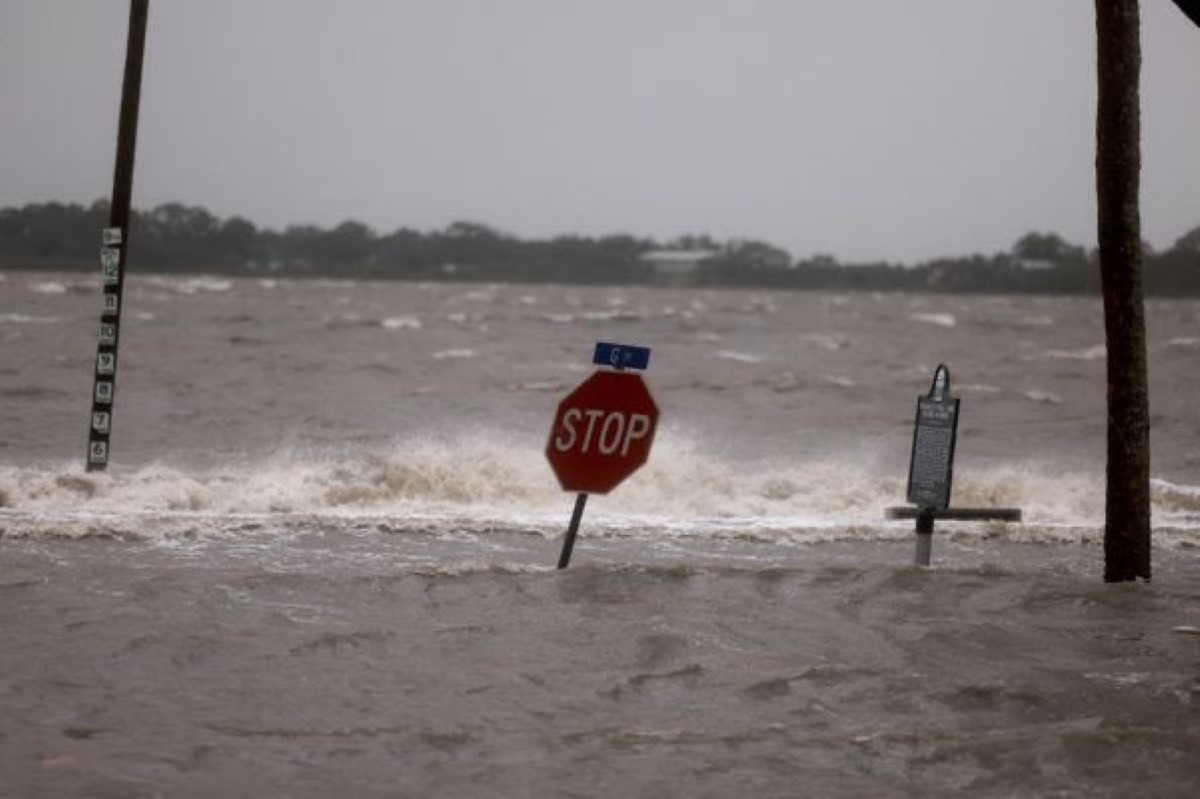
column 931, row 465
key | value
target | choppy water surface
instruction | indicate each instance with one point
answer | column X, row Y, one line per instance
column 322, row 560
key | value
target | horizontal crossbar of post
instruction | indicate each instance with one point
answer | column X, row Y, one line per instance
column 958, row 514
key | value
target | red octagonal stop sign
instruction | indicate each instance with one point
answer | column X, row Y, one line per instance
column 602, row 432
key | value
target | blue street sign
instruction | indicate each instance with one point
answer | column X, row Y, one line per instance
column 621, row 356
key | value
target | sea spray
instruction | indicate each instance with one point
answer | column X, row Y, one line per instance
column 501, row 479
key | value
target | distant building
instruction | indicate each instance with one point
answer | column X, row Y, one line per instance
column 1035, row 264
column 677, row 262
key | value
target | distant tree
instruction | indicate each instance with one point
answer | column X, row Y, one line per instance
column 183, row 221
column 1048, row 247
column 693, row 242
column 297, row 247
column 348, row 243
column 175, row 236
column 753, row 256
column 1189, row 242
column 237, row 241
column 623, row 247
column 475, row 246
column 472, row 231
column 406, row 253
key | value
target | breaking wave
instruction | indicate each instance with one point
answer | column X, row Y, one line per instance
column 484, row 482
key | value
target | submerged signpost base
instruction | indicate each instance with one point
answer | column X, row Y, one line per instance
column 926, row 516
column 924, row 537
column 564, row 559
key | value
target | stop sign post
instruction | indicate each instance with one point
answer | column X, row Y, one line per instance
column 602, row 431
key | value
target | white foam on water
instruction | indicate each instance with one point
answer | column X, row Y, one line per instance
column 458, row 354
column 26, row 319
column 487, row 295
column 610, row 316
column 825, row 341
column 760, row 303
column 738, row 357
column 402, row 323
column 495, row 481
column 1096, row 353
column 939, row 319
column 1174, row 504
column 978, row 388
column 48, row 287
column 189, row 285
column 1042, row 397
column 785, row 381
column 537, row 385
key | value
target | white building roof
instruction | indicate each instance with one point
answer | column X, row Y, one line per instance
column 678, row 256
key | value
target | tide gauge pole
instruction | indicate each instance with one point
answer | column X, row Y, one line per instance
column 114, row 244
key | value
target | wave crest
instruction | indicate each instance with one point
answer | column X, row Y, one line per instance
column 499, row 477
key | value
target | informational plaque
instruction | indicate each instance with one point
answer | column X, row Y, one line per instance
column 931, row 466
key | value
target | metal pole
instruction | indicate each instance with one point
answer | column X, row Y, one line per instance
column 114, row 243
column 564, row 559
column 924, row 536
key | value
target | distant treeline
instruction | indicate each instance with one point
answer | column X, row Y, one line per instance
column 175, row 238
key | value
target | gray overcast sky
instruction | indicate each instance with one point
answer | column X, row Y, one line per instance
column 868, row 129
